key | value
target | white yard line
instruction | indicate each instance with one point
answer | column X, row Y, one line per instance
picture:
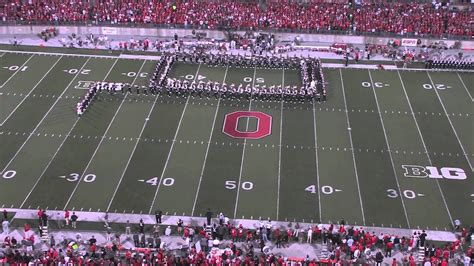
column 18, row 70
column 101, row 140
column 172, row 145
column 424, row 146
column 243, row 151
column 317, row 161
column 390, row 152
column 26, row 96
column 451, row 123
column 464, row 85
column 352, row 147
column 207, row 149
column 279, row 149
column 44, row 117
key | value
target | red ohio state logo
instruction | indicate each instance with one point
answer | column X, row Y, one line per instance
column 264, row 125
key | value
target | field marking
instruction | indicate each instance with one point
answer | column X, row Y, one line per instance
column 18, row 70
column 352, row 147
column 243, row 150
column 390, row 154
column 133, row 152
column 465, row 88
column 279, row 148
column 172, row 145
column 26, row 96
column 451, row 123
column 101, row 140
column 424, row 145
column 45, row 115
column 317, row 162
column 65, row 54
column 207, row 148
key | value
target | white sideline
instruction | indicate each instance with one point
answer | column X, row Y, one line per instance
column 61, row 54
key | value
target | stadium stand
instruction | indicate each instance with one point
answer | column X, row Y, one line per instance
column 227, row 244
column 408, row 19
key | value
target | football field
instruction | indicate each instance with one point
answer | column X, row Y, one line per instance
column 387, row 148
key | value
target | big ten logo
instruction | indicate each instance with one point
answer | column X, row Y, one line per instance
column 264, row 125
column 433, row 172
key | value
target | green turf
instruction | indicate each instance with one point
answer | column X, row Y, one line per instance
column 139, row 153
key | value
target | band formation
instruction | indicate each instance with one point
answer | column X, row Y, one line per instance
column 313, row 84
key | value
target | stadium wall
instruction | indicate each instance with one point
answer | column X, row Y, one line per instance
column 215, row 34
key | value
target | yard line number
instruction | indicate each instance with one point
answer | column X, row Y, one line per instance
column 232, row 184
column 328, row 190
column 367, row 84
column 167, row 182
column 74, row 177
column 74, row 71
column 8, row 174
column 409, row 194
column 437, row 86
column 257, row 80
column 133, row 74
column 15, row 68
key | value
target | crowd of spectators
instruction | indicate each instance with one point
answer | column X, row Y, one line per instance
column 407, row 17
column 220, row 241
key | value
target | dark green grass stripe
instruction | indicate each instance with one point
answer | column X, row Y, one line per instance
column 336, row 169
column 264, row 179
column 71, row 159
column 149, row 158
column 298, row 167
column 33, row 109
column 375, row 171
column 29, row 163
column 129, row 122
column 459, row 107
column 292, row 78
column 408, row 149
column 186, row 161
column 223, row 164
column 468, row 79
column 211, row 73
column 76, row 152
column 237, row 76
column 335, row 96
column 440, row 141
